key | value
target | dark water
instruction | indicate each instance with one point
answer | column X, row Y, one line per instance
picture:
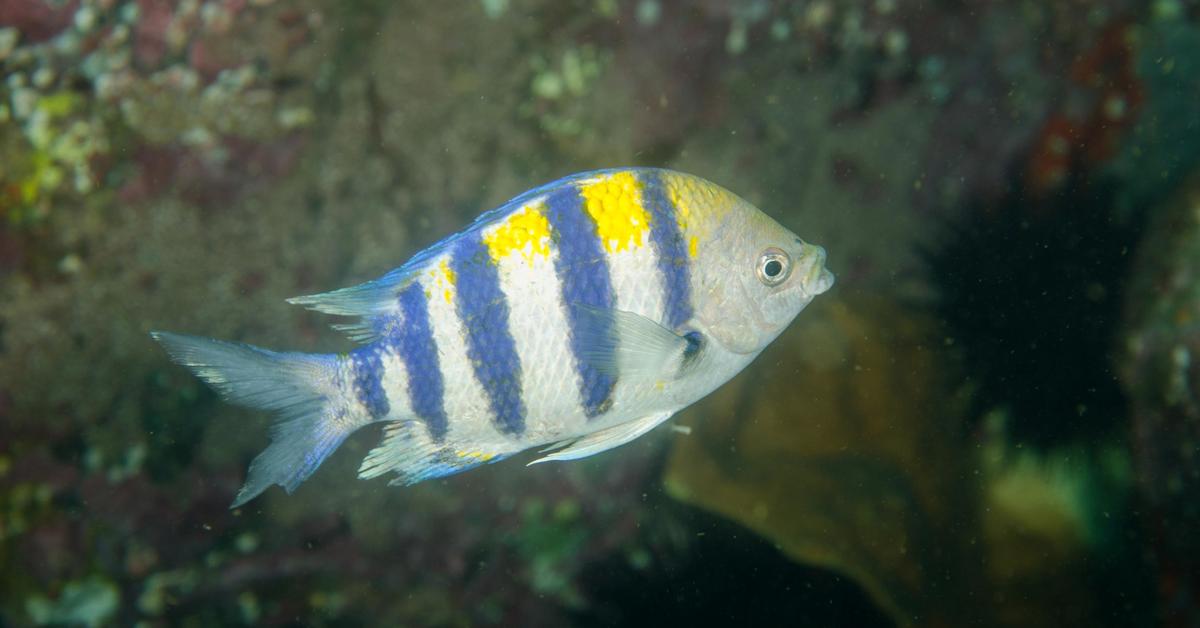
column 991, row 420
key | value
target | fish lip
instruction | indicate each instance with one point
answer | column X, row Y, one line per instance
column 818, row 279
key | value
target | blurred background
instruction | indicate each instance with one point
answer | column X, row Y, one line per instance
column 992, row 420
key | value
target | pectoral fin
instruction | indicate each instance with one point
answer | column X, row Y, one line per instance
column 603, row 440
column 625, row 344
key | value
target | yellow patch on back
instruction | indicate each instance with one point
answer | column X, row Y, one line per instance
column 615, row 205
column 442, row 277
column 525, row 231
column 698, row 205
column 675, row 191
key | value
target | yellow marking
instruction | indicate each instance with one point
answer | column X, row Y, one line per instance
column 675, row 191
column 525, row 231
column 474, row 454
column 698, row 206
column 615, row 205
column 442, row 276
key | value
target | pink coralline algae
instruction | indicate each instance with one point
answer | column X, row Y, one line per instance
column 188, row 79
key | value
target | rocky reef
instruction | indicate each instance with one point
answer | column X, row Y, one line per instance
column 188, row 165
column 842, row 449
column 1162, row 383
column 848, row 449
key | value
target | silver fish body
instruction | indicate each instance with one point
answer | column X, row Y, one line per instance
column 578, row 316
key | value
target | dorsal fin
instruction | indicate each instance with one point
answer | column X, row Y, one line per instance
column 372, row 297
column 377, row 298
column 365, row 299
column 371, row 301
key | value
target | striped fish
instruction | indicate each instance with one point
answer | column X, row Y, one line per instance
column 575, row 317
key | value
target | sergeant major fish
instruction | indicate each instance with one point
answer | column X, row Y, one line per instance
column 575, row 317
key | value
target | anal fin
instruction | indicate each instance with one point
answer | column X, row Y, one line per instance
column 605, row 439
column 413, row 457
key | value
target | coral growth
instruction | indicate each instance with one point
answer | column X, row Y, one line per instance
column 88, row 82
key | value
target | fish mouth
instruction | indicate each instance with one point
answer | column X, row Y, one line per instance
column 817, row 279
column 821, row 283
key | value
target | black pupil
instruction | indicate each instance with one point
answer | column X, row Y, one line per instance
column 773, row 268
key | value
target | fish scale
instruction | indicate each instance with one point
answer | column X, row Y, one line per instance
column 672, row 250
column 584, row 275
column 416, row 347
column 483, row 309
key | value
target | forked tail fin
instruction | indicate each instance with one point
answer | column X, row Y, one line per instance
column 300, row 387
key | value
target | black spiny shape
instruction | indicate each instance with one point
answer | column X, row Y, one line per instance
column 1030, row 291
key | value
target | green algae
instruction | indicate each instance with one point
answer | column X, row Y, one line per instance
column 89, row 602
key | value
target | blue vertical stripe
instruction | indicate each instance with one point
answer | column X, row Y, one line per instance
column 414, row 343
column 484, row 313
column 582, row 270
column 367, row 367
column 673, row 261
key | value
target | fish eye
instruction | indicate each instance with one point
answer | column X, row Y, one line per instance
column 774, row 266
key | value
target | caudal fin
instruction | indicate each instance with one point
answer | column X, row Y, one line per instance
column 298, row 386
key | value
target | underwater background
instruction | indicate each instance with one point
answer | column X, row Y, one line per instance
column 992, row 420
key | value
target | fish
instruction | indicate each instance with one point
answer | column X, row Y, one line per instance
column 574, row 318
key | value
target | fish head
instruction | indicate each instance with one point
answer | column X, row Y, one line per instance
column 756, row 277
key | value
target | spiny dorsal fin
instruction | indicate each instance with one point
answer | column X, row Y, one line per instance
column 370, row 301
column 377, row 297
